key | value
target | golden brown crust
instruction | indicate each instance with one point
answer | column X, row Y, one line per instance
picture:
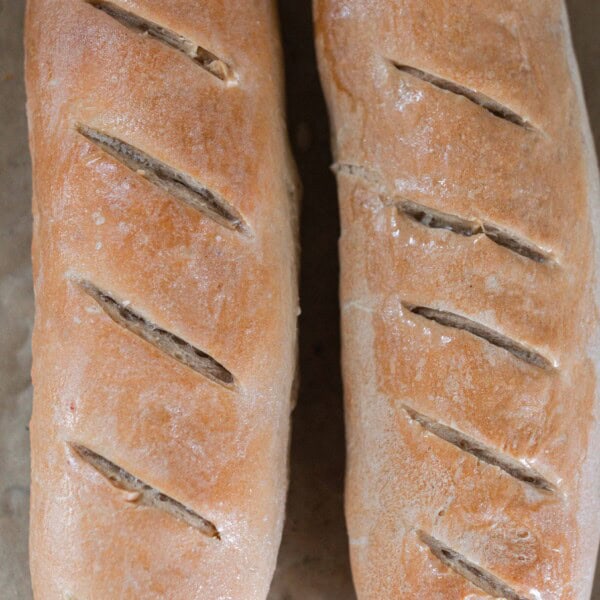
column 462, row 353
column 213, row 450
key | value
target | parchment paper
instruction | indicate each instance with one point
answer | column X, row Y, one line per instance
column 313, row 562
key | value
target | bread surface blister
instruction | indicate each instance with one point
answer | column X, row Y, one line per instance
column 467, row 190
column 165, row 279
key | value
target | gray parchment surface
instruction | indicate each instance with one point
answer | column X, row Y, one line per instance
column 313, row 562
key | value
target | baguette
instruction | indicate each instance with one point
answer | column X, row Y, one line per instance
column 166, row 303
column 469, row 205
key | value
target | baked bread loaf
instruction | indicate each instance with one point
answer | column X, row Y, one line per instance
column 165, row 280
column 469, row 197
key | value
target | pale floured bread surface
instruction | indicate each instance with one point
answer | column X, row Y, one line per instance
column 165, row 280
column 467, row 187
